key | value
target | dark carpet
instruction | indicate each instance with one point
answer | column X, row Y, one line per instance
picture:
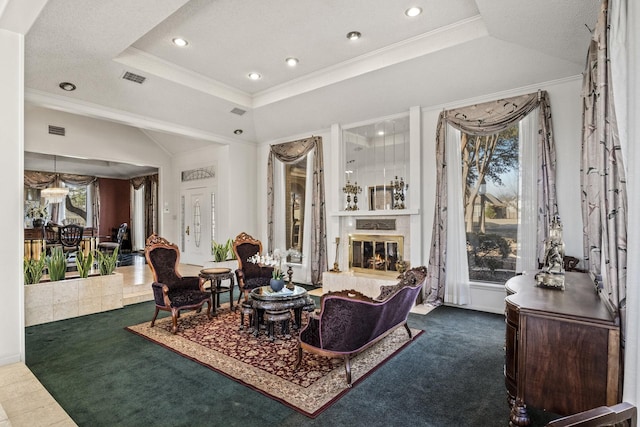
column 102, row 375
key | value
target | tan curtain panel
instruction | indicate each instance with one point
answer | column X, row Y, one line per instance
column 603, row 181
column 486, row 119
column 287, row 153
column 150, row 185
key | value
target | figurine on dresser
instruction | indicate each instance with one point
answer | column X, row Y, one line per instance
column 552, row 273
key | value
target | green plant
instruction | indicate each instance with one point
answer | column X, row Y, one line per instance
column 33, row 270
column 56, row 264
column 107, row 262
column 84, row 263
column 222, row 251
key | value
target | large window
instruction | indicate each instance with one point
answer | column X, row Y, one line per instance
column 490, row 165
column 295, row 184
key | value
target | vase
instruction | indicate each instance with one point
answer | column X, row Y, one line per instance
column 37, row 222
column 276, row 284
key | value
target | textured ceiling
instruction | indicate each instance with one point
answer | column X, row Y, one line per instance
column 456, row 49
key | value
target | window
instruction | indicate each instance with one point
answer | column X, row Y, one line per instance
column 490, row 165
column 295, row 182
column 76, row 205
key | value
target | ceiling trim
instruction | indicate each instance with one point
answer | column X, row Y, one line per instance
column 60, row 103
column 423, row 44
column 144, row 61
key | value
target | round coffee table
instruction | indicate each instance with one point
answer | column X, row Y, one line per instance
column 215, row 276
column 263, row 299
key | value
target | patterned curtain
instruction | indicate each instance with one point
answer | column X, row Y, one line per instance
column 290, row 152
column 603, row 182
column 486, row 119
column 150, row 184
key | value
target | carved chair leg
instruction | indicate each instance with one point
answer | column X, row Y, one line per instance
column 155, row 315
column 347, row 368
column 408, row 330
column 209, row 310
column 299, row 360
column 174, row 320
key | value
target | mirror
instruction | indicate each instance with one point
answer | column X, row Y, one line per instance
column 376, row 167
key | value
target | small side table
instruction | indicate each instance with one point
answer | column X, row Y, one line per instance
column 215, row 276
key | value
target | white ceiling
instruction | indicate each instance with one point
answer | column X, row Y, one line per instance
column 454, row 50
column 100, row 168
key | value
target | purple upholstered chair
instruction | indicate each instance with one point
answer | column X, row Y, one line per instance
column 350, row 322
column 171, row 291
column 249, row 275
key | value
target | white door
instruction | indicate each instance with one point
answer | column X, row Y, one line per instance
column 196, row 226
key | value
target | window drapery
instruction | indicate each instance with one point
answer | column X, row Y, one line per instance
column 487, row 119
column 290, row 152
column 150, row 185
column 603, row 179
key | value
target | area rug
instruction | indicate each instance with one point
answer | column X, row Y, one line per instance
column 268, row 366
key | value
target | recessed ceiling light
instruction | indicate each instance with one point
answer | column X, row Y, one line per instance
column 254, row 76
column 380, row 132
column 413, row 11
column 292, row 62
column 180, row 42
column 67, row 86
column 353, row 35
column 238, row 131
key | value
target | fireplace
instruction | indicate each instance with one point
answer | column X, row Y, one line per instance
column 376, row 254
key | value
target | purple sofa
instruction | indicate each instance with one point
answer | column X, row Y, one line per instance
column 350, row 322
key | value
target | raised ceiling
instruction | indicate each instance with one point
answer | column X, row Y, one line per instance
column 454, row 50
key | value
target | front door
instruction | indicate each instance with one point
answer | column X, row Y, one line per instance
column 196, row 226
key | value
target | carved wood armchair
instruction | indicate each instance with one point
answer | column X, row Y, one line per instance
column 171, row 291
column 248, row 274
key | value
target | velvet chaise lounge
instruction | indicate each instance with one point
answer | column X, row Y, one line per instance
column 350, row 322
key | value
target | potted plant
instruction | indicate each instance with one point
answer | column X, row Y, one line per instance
column 84, row 263
column 33, row 270
column 223, row 255
column 37, row 214
column 107, row 262
column 56, row 264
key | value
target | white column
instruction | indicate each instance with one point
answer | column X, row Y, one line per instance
column 11, row 216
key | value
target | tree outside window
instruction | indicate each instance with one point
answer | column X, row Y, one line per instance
column 490, row 174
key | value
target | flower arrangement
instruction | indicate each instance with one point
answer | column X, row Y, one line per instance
column 37, row 211
column 274, row 260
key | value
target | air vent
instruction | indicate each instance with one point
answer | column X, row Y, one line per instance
column 238, row 111
column 136, row 78
column 56, row 130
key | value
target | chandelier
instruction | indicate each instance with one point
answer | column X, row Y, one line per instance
column 57, row 193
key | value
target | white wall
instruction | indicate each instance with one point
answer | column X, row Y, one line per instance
column 11, row 168
column 102, row 140
column 234, row 185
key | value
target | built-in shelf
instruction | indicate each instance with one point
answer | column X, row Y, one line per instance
column 393, row 212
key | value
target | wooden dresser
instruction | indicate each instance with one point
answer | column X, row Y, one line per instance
column 562, row 348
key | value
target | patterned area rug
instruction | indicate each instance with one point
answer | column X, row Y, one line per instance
column 267, row 366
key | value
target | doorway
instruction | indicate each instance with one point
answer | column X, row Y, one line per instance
column 197, row 225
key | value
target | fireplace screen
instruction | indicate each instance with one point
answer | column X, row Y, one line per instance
column 375, row 253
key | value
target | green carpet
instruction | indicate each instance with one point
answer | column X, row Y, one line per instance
column 102, row 375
